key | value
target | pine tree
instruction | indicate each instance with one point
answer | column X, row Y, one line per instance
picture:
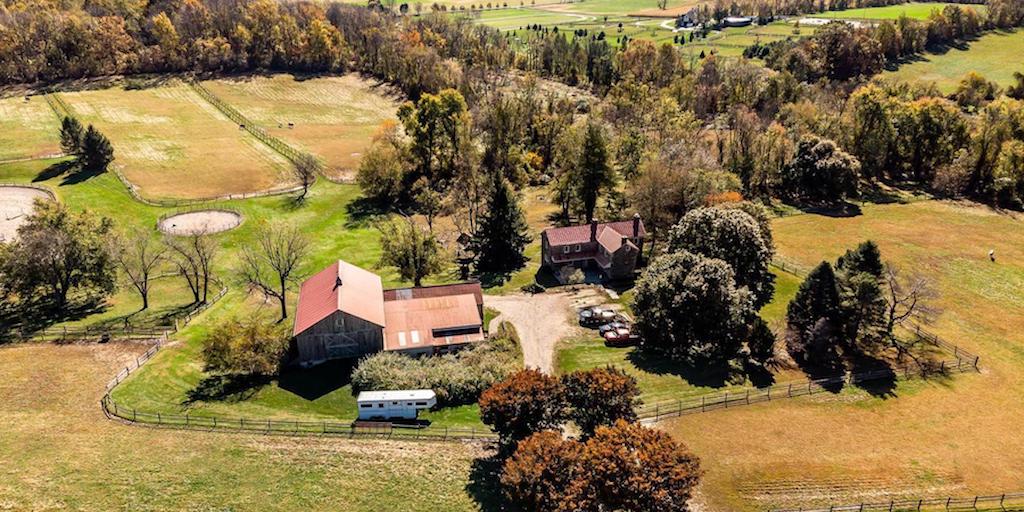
column 97, row 153
column 813, row 318
column 502, row 233
column 71, row 135
column 595, row 174
column 863, row 305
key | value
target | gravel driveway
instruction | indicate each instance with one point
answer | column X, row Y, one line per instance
column 542, row 320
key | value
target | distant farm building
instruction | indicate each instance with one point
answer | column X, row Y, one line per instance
column 738, row 21
column 613, row 247
column 345, row 312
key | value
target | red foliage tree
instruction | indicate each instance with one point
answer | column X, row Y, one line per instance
column 544, row 474
column 600, row 396
column 527, row 402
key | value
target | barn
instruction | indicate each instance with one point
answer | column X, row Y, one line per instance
column 345, row 312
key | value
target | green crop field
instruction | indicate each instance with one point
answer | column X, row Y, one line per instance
column 58, row 451
column 171, row 143
column 923, row 438
column 333, row 118
column 915, row 10
column 27, row 128
column 995, row 55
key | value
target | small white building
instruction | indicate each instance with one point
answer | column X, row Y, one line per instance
column 387, row 405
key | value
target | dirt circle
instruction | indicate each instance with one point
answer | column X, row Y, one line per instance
column 202, row 222
column 15, row 206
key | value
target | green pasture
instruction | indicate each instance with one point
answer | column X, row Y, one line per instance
column 914, row 10
column 995, row 55
column 27, row 128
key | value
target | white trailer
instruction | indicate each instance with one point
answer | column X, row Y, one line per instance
column 387, row 405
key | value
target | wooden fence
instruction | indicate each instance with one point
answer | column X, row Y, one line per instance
column 1008, row 501
column 278, row 145
column 960, row 361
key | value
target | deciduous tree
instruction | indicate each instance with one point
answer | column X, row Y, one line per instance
column 411, row 249
column 138, row 254
column 272, row 265
column 250, row 347
column 525, row 403
column 600, row 396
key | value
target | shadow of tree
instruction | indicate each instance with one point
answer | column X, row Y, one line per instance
column 363, row 212
column 484, row 485
column 37, row 313
column 714, row 376
column 55, row 170
column 225, row 388
column 80, row 175
column 884, row 386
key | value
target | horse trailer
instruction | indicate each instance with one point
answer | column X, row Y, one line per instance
column 388, row 405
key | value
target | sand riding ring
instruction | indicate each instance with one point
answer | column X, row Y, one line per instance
column 16, row 203
column 199, row 222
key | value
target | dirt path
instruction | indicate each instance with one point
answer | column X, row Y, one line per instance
column 542, row 320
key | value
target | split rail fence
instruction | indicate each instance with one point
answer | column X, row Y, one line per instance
column 1009, row 501
column 960, row 361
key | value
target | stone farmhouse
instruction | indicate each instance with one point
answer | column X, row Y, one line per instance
column 613, row 248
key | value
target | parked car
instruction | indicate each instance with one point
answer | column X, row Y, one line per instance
column 611, row 326
column 622, row 337
column 596, row 316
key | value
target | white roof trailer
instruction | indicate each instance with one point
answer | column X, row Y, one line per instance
column 386, row 405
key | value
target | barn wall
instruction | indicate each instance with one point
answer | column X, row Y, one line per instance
column 339, row 336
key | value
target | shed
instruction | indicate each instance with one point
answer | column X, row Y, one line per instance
column 397, row 404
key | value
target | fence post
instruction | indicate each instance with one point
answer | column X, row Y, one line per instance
column 948, row 500
column 748, row 397
column 657, row 412
column 159, row 419
column 790, row 390
column 702, row 403
column 769, row 394
column 919, row 503
column 134, row 415
column 892, row 504
column 726, row 399
column 976, row 359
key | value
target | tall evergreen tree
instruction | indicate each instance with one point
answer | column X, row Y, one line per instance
column 97, row 153
column 813, row 319
column 502, row 233
column 595, row 173
column 71, row 135
column 859, row 278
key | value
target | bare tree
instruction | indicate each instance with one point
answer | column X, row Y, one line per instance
column 272, row 265
column 662, row 4
column 138, row 255
column 193, row 259
column 909, row 300
column 305, row 168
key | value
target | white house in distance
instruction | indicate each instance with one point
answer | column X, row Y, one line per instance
column 387, row 405
column 344, row 312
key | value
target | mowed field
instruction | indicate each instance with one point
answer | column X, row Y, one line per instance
column 333, row 118
column 995, row 55
column 914, row 10
column 28, row 128
column 58, row 451
column 955, row 436
column 171, row 143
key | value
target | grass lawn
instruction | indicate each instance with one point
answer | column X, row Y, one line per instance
column 513, row 19
column 995, row 55
column 91, row 463
column 334, row 118
column 28, row 128
column 171, row 143
column 174, row 381
column 928, row 438
column 914, row 10
column 625, row 7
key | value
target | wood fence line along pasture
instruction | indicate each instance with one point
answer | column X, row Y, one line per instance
column 1008, row 501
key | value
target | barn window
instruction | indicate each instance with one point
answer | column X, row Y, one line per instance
column 577, row 247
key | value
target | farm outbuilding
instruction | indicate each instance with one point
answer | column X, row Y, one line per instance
column 738, row 21
column 345, row 312
column 389, row 405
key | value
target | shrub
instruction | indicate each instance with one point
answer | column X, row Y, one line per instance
column 600, row 396
column 526, row 402
column 533, row 288
column 252, row 346
column 457, row 378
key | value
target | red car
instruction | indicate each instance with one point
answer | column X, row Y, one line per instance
column 621, row 338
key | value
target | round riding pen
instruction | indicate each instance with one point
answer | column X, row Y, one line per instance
column 199, row 222
column 16, row 203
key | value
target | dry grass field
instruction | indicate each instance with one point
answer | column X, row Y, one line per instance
column 28, row 128
column 334, row 118
column 57, row 451
column 957, row 436
column 171, row 143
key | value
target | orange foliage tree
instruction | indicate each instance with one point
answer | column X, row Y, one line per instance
column 529, row 401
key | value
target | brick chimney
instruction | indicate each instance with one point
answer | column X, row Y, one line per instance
column 593, row 230
column 636, row 225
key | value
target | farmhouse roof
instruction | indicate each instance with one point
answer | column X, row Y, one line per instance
column 432, row 321
column 443, row 290
column 340, row 287
column 633, row 228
